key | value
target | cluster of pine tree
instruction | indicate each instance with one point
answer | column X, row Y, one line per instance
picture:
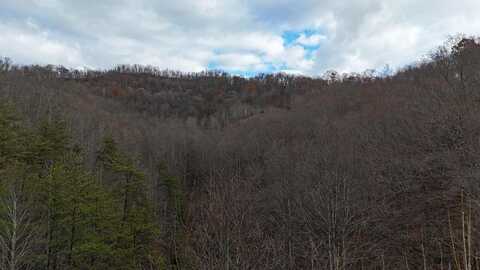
column 58, row 214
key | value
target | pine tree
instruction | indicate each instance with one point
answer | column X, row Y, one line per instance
column 137, row 229
column 12, row 141
column 176, row 217
column 81, row 221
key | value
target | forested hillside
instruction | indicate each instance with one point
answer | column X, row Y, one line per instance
column 137, row 168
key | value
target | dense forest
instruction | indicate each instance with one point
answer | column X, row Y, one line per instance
column 140, row 168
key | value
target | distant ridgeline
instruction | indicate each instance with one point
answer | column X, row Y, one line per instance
column 212, row 97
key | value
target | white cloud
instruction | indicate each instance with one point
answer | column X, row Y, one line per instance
column 292, row 71
column 25, row 44
column 239, row 61
column 313, row 40
column 236, row 34
column 295, row 58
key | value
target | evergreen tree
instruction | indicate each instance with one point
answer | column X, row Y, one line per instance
column 176, row 218
column 137, row 229
column 79, row 220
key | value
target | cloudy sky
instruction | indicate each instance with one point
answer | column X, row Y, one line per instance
column 239, row 36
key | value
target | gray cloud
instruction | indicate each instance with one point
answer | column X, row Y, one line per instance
column 241, row 35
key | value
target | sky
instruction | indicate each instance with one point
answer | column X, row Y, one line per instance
column 245, row 37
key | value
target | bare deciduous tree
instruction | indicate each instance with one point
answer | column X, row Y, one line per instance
column 16, row 235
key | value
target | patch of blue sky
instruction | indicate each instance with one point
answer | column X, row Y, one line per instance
column 269, row 68
column 291, row 38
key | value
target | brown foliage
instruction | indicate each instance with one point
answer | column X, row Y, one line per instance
column 360, row 173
